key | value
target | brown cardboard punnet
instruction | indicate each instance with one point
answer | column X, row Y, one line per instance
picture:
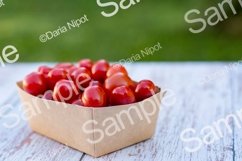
column 95, row 131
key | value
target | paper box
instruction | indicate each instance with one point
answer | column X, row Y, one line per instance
column 95, row 131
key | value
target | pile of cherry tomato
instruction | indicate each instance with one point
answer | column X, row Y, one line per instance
column 90, row 84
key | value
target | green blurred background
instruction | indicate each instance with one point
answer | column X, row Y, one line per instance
column 118, row 37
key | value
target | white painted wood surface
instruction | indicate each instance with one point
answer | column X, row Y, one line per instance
column 197, row 105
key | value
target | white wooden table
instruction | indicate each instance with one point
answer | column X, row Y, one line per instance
column 196, row 106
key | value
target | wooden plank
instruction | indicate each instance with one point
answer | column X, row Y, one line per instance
column 9, row 76
column 237, row 105
column 196, row 107
column 20, row 143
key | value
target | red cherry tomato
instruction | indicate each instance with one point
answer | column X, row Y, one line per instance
column 99, row 70
column 48, row 95
column 116, row 68
column 64, row 65
column 95, row 83
column 81, row 77
column 34, row 84
column 65, row 91
column 44, row 70
column 78, row 101
column 121, row 96
column 94, row 96
column 79, row 71
column 144, row 89
column 87, row 63
column 56, row 75
column 71, row 70
column 82, row 81
column 117, row 80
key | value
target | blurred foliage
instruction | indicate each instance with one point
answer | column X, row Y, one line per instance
column 118, row 37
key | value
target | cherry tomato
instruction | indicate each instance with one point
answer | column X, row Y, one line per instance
column 44, row 70
column 121, row 96
column 64, row 65
column 34, row 84
column 81, row 77
column 135, row 84
column 95, row 83
column 117, row 80
column 48, row 95
column 145, row 89
column 71, row 70
column 87, row 63
column 65, row 91
column 94, row 96
column 79, row 71
column 56, row 75
column 99, row 70
column 78, row 101
column 116, row 68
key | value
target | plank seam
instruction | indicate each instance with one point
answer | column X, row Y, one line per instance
column 82, row 156
column 233, row 109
